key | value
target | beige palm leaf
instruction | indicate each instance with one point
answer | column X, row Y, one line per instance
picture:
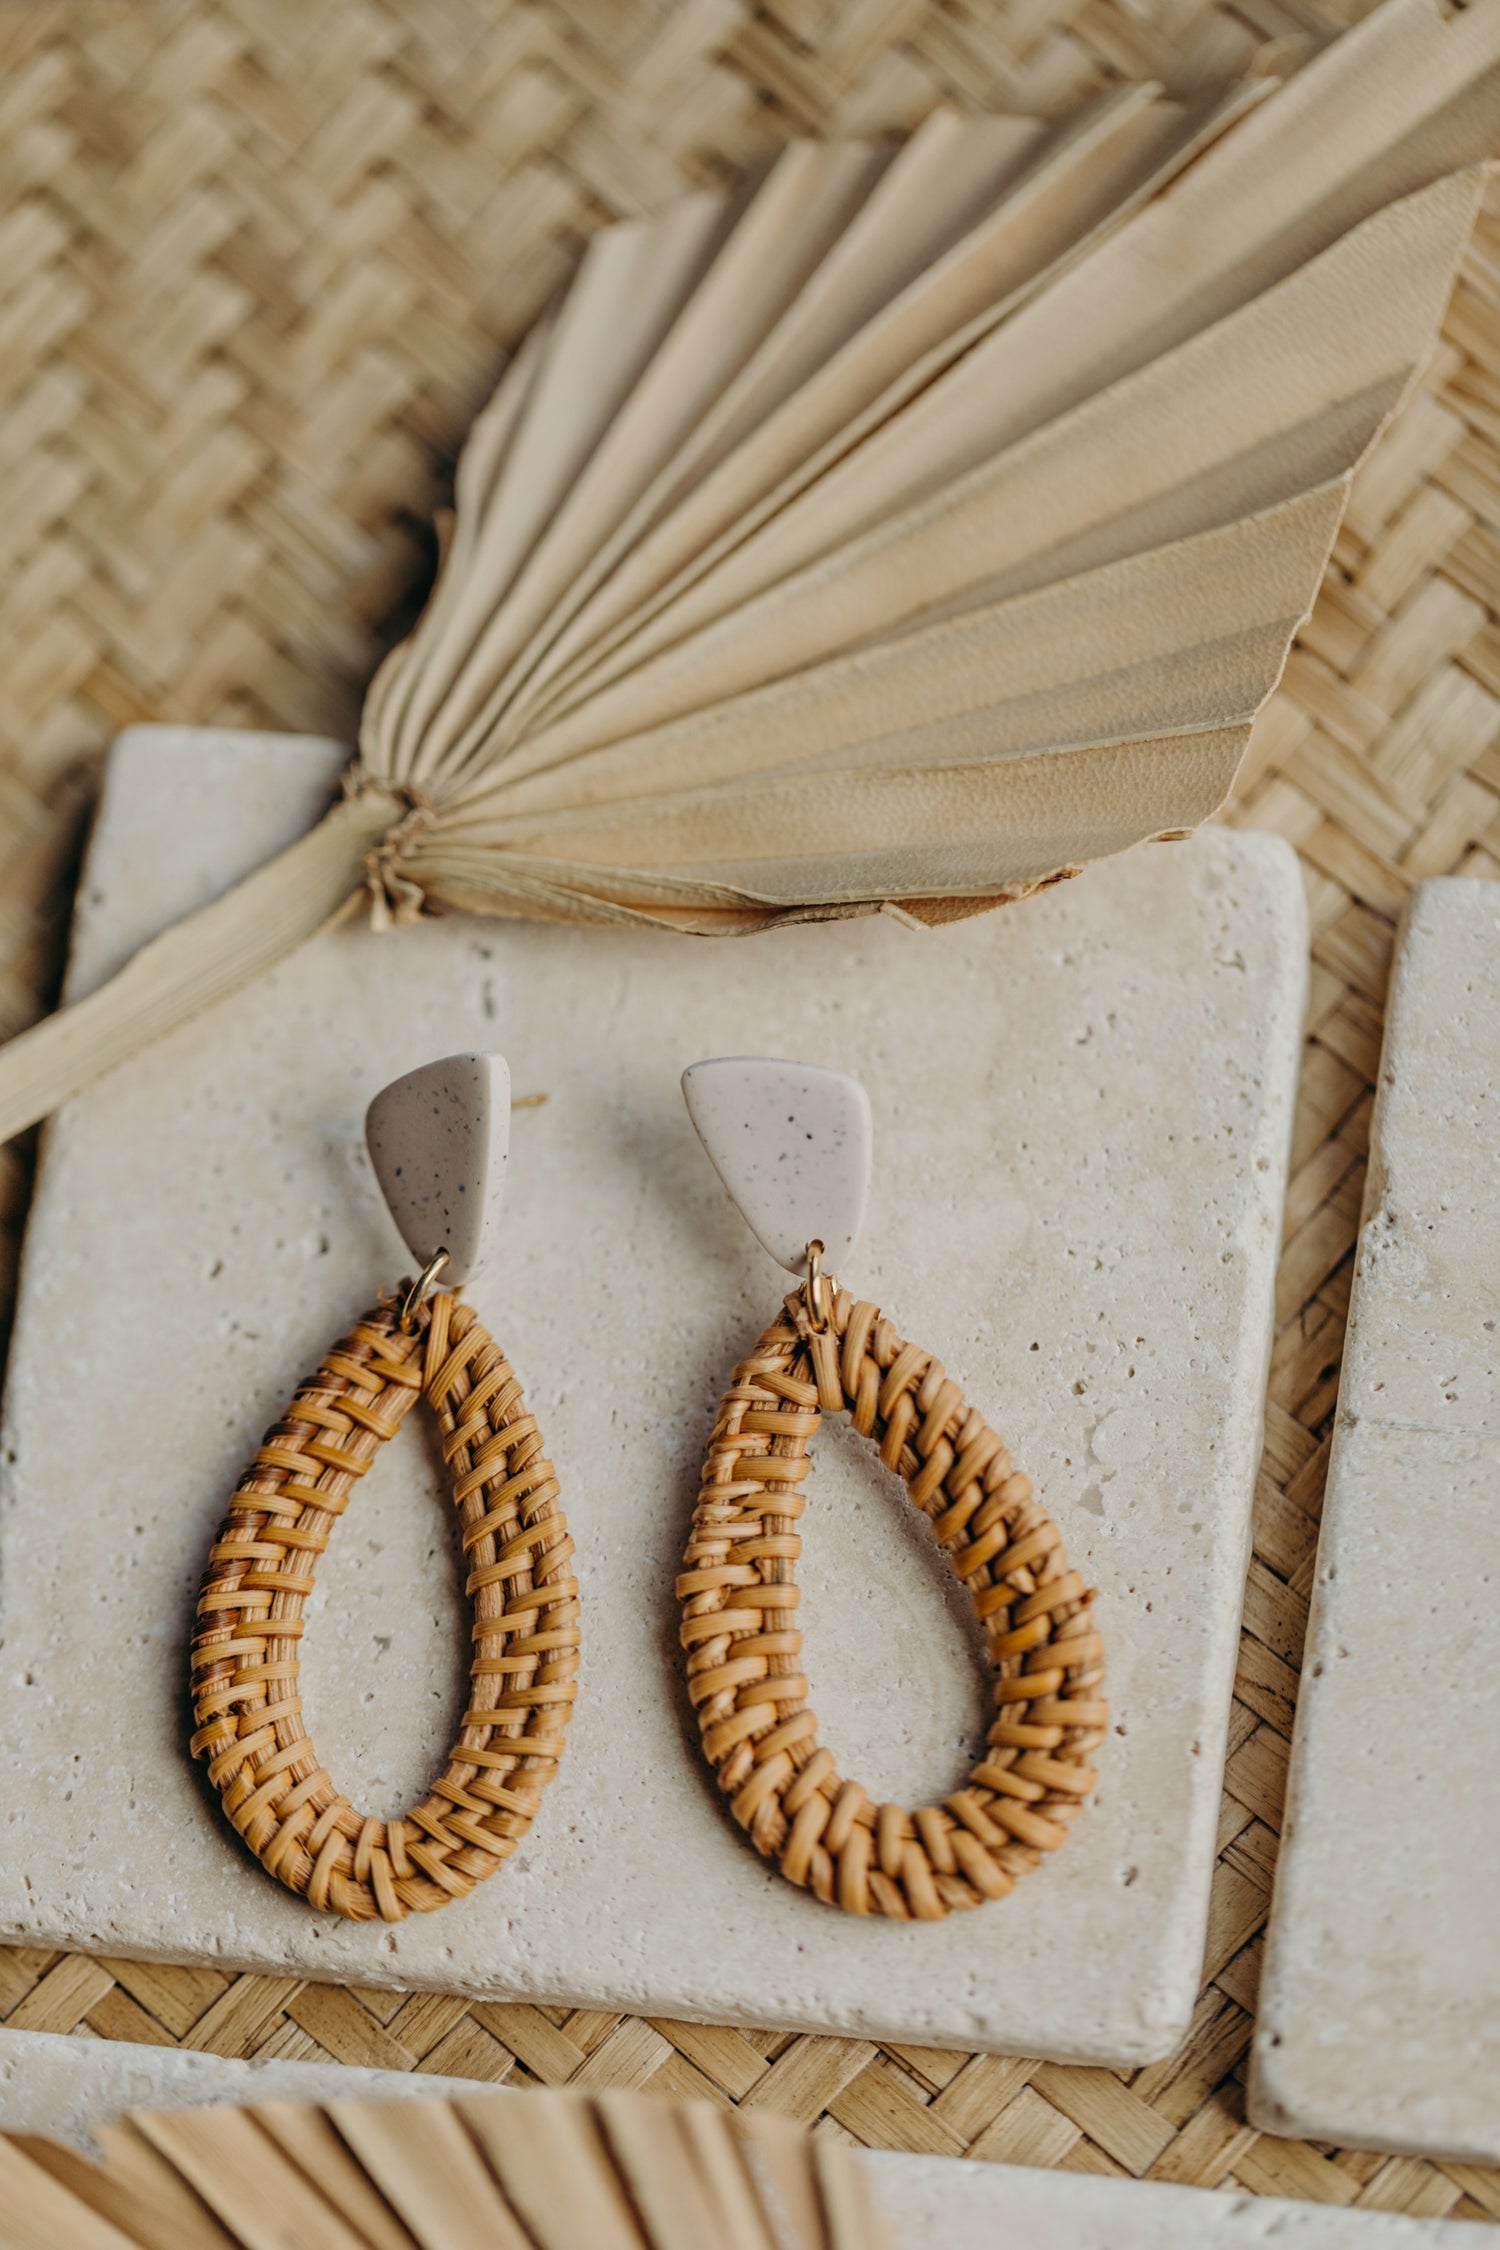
column 900, row 535
column 504, row 2171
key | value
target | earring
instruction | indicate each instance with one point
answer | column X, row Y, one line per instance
column 438, row 1141
column 791, row 1145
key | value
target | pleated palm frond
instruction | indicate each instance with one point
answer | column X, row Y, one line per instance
column 503, row 2171
column 931, row 523
column 903, row 534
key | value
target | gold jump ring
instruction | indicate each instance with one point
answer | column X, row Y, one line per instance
column 419, row 1289
column 819, row 1291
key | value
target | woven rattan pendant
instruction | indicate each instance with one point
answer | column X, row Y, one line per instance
column 792, row 1146
column 438, row 1144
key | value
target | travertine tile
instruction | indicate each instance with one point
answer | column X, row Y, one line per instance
column 1380, row 2003
column 72, row 2088
column 987, row 2206
column 68, row 2088
column 1081, row 1115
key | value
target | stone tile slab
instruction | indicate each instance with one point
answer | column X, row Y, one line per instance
column 1380, row 2004
column 69, row 2088
column 937, row 2199
column 1081, row 1116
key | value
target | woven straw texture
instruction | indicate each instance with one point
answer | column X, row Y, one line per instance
column 522, row 1676
column 257, row 262
column 739, row 1625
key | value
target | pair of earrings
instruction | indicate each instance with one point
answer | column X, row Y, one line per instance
column 792, row 1146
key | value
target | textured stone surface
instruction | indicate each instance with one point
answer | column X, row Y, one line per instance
column 1380, row 2004
column 438, row 1139
column 792, row 1145
column 69, row 2088
column 1081, row 1107
column 936, row 2200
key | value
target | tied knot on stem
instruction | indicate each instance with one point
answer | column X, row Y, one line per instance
column 396, row 898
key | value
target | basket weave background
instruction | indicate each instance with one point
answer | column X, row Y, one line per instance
column 258, row 262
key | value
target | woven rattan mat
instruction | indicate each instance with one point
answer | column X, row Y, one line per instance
column 257, row 261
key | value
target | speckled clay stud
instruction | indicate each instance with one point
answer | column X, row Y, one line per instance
column 791, row 1144
column 438, row 1145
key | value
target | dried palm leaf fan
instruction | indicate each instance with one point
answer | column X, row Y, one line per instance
column 532, row 2171
column 906, row 535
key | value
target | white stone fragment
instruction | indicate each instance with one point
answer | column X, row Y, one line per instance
column 438, row 1140
column 1079, row 1213
column 1380, row 2004
column 968, row 2206
column 69, row 2088
column 791, row 1143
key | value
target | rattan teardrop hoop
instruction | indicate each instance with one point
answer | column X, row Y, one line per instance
column 739, row 1600
column 525, row 1601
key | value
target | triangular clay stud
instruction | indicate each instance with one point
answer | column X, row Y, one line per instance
column 792, row 1145
column 438, row 1140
